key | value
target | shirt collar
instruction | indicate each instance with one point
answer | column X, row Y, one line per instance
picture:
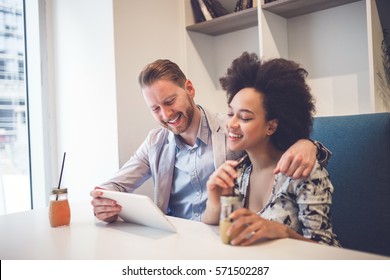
column 204, row 130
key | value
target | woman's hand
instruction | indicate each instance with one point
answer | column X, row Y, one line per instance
column 105, row 209
column 249, row 228
column 221, row 182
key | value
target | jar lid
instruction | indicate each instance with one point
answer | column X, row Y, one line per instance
column 59, row 191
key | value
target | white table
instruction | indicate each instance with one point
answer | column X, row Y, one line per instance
column 28, row 235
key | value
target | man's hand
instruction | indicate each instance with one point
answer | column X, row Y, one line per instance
column 105, row 209
column 298, row 161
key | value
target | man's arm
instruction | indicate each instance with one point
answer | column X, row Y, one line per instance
column 127, row 179
column 133, row 173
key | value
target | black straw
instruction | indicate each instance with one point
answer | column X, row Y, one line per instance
column 62, row 169
column 241, row 162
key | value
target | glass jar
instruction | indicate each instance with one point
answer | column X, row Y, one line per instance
column 228, row 205
column 59, row 210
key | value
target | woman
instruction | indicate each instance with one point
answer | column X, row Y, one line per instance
column 269, row 108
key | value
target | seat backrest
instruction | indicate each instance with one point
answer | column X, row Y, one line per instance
column 360, row 173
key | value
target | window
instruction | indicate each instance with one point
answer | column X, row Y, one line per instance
column 26, row 116
column 15, row 190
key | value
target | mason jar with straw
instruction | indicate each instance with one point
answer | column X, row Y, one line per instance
column 59, row 210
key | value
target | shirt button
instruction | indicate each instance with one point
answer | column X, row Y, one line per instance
column 196, row 214
column 197, row 193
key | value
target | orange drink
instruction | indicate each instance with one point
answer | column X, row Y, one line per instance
column 59, row 210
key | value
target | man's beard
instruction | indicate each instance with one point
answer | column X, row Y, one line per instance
column 186, row 120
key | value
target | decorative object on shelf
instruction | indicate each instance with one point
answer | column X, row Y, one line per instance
column 207, row 13
column 244, row 4
column 384, row 80
column 198, row 15
column 205, row 10
column 216, row 8
column 238, row 6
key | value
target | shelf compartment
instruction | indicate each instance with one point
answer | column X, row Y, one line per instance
column 293, row 8
column 228, row 23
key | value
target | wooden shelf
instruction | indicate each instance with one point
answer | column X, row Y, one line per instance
column 228, row 23
column 293, row 8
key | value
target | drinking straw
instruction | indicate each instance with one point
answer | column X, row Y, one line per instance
column 62, row 169
column 239, row 165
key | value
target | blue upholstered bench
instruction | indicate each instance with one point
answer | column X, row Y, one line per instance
column 360, row 173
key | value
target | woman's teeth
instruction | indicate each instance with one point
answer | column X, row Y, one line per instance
column 233, row 135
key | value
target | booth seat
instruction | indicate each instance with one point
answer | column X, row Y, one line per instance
column 360, row 173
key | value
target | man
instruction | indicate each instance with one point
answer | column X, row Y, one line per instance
column 182, row 154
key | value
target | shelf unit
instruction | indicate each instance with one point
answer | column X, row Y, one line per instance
column 337, row 41
column 249, row 17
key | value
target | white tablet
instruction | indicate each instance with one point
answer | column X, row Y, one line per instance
column 139, row 209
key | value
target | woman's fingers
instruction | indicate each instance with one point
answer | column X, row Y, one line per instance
column 224, row 176
column 246, row 227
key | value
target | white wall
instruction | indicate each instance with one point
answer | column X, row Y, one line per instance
column 330, row 44
column 99, row 48
column 144, row 31
column 83, row 75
